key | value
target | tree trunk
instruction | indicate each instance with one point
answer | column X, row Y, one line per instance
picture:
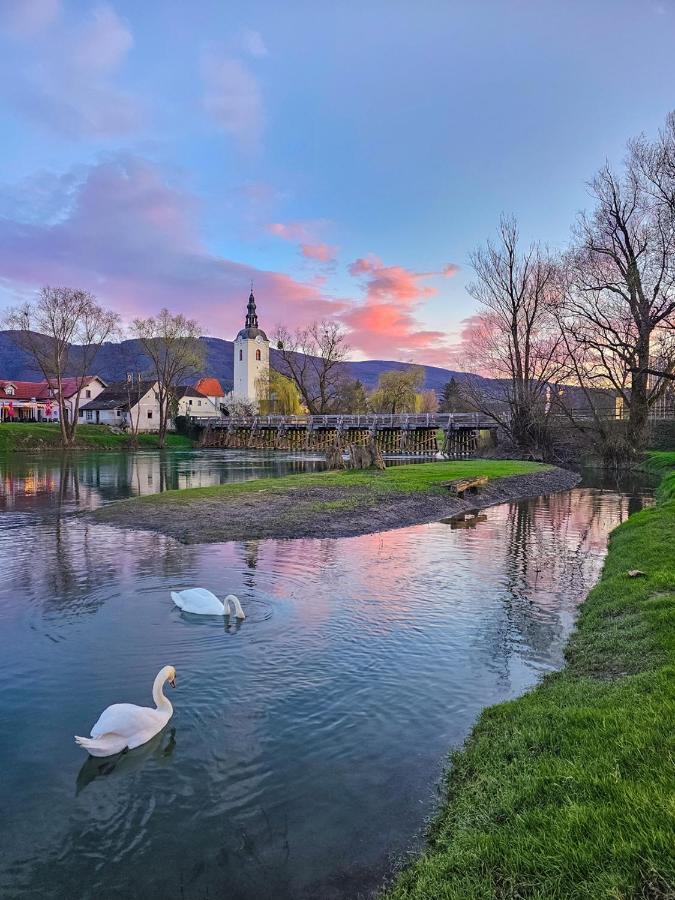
column 638, row 427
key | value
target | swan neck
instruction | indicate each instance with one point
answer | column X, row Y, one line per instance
column 161, row 702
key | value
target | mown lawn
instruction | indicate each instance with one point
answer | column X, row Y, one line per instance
column 19, row 437
column 418, row 477
column 569, row 791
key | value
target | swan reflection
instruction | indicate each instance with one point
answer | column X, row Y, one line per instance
column 160, row 748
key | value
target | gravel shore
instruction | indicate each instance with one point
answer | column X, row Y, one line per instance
column 315, row 512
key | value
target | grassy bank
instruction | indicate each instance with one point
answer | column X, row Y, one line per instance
column 569, row 791
column 28, row 437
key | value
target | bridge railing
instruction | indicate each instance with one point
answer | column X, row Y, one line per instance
column 371, row 421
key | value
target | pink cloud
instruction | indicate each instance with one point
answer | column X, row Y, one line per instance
column 450, row 270
column 302, row 232
column 323, row 253
column 131, row 238
column 385, row 324
column 289, row 231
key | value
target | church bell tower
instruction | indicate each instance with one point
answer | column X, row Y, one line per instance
column 251, row 355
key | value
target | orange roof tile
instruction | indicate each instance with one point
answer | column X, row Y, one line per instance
column 210, row 387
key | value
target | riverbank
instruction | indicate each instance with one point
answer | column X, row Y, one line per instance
column 31, row 437
column 568, row 791
column 330, row 504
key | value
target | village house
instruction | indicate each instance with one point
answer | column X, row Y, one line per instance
column 212, row 389
column 125, row 404
column 37, row 401
column 192, row 402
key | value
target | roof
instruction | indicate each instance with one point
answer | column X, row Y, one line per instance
column 186, row 390
column 116, row 396
column 210, row 387
column 43, row 390
column 23, row 390
column 251, row 334
column 70, row 385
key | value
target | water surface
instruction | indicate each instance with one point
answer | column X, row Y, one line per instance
column 307, row 742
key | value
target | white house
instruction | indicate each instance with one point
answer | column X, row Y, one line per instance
column 126, row 405
column 192, row 402
column 251, row 357
column 212, row 389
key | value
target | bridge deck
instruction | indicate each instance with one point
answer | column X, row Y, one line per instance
column 378, row 421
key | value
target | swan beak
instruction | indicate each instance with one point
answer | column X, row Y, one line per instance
column 172, row 682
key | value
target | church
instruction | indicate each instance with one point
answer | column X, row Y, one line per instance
column 251, row 357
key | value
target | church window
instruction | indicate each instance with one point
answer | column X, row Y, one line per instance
column 257, row 355
column 241, row 355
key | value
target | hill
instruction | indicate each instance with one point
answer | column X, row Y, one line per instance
column 114, row 360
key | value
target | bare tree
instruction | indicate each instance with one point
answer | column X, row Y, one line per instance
column 515, row 340
column 620, row 305
column 313, row 357
column 172, row 344
column 427, row 402
column 63, row 331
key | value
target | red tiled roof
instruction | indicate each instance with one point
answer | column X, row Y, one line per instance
column 210, row 387
column 40, row 390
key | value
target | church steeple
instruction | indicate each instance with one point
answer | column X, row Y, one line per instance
column 251, row 314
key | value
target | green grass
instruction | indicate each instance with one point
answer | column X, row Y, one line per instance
column 569, row 791
column 43, row 436
column 419, row 477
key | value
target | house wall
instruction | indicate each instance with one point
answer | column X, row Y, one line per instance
column 138, row 413
column 88, row 393
column 196, row 406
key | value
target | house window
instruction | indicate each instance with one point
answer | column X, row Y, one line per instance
column 87, row 394
column 149, row 413
column 81, row 414
column 190, row 402
column 9, row 388
column 90, row 415
column 241, row 355
column 199, row 402
column 257, row 355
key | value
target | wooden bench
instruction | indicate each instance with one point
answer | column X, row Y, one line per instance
column 462, row 486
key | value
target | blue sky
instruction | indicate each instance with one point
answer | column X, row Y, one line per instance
column 346, row 157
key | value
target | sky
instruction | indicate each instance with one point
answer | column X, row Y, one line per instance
column 344, row 157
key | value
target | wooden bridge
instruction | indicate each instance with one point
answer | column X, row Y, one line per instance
column 457, row 435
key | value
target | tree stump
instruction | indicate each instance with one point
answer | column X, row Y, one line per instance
column 365, row 456
column 334, row 459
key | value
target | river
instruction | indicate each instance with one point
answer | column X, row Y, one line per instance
column 307, row 743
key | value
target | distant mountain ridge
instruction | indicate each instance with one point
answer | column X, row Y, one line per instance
column 112, row 364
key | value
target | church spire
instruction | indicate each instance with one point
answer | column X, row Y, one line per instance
column 251, row 314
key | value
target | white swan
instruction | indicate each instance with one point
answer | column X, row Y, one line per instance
column 204, row 603
column 125, row 726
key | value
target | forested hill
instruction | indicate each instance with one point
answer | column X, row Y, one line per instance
column 113, row 362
